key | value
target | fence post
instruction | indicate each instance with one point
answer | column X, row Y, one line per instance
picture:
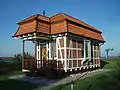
column 72, row 85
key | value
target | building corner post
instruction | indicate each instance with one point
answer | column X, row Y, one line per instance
column 35, row 54
column 65, row 50
column 23, row 53
column 84, row 50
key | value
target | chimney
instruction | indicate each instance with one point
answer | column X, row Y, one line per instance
column 43, row 12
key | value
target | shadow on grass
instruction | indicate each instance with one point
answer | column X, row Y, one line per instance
column 103, row 63
column 10, row 84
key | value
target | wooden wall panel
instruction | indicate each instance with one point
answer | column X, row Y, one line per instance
column 96, row 61
column 74, row 43
column 57, row 17
column 84, row 32
column 60, row 65
column 68, row 53
column 74, row 53
column 80, row 44
column 74, row 63
column 79, row 63
column 40, row 17
column 61, row 42
column 43, row 27
column 70, row 63
column 63, row 53
column 59, row 55
column 80, row 54
column 59, row 27
column 26, row 28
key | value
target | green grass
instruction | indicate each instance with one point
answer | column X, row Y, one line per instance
column 111, row 63
column 103, row 81
column 97, row 82
column 16, row 85
column 10, row 69
column 9, row 84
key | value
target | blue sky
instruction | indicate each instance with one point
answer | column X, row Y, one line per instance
column 102, row 14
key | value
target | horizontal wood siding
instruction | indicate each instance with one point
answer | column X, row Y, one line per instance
column 58, row 27
column 57, row 17
column 29, row 64
column 72, row 28
column 43, row 18
column 26, row 28
column 43, row 27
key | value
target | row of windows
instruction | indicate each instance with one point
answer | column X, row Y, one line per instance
column 71, row 51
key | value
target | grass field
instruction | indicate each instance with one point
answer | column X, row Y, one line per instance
column 10, row 69
column 104, row 81
column 111, row 63
column 9, row 84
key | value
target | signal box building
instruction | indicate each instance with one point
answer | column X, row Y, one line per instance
column 62, row 42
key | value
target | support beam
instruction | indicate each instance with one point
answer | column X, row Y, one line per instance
column 23, row 52
column 93, row 53
column 50, row 49
column 65, row 50
column 84, row 50
column 89, row 49
column 99, row 55
column 57, row 52
column 35, row 54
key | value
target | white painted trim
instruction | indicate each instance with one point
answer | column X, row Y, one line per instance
column 77, row 52
column 84, row 50
column 75, row 58
column 59, row 49
column 61, row 59
column 89, row 49
column 47, row 54
column 74, row 48
column 25, row 70
column 28, row 38
column 71, row 51
column 15, row 38
column 50, row 50
column 68, row 48
column 56, row 52
column 38, row 50
column 65, row 52
column 75, row 69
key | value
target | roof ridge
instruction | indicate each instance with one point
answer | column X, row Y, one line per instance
column 32, row 17
column 43, row 15
column 60, row 13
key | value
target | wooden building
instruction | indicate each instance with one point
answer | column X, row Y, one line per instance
column 62, row 42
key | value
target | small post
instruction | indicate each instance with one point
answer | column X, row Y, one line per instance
column 23, row 52
column 35, row 62
column 72, row 85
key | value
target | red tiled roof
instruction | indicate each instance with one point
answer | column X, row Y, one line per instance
column 57, row 24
